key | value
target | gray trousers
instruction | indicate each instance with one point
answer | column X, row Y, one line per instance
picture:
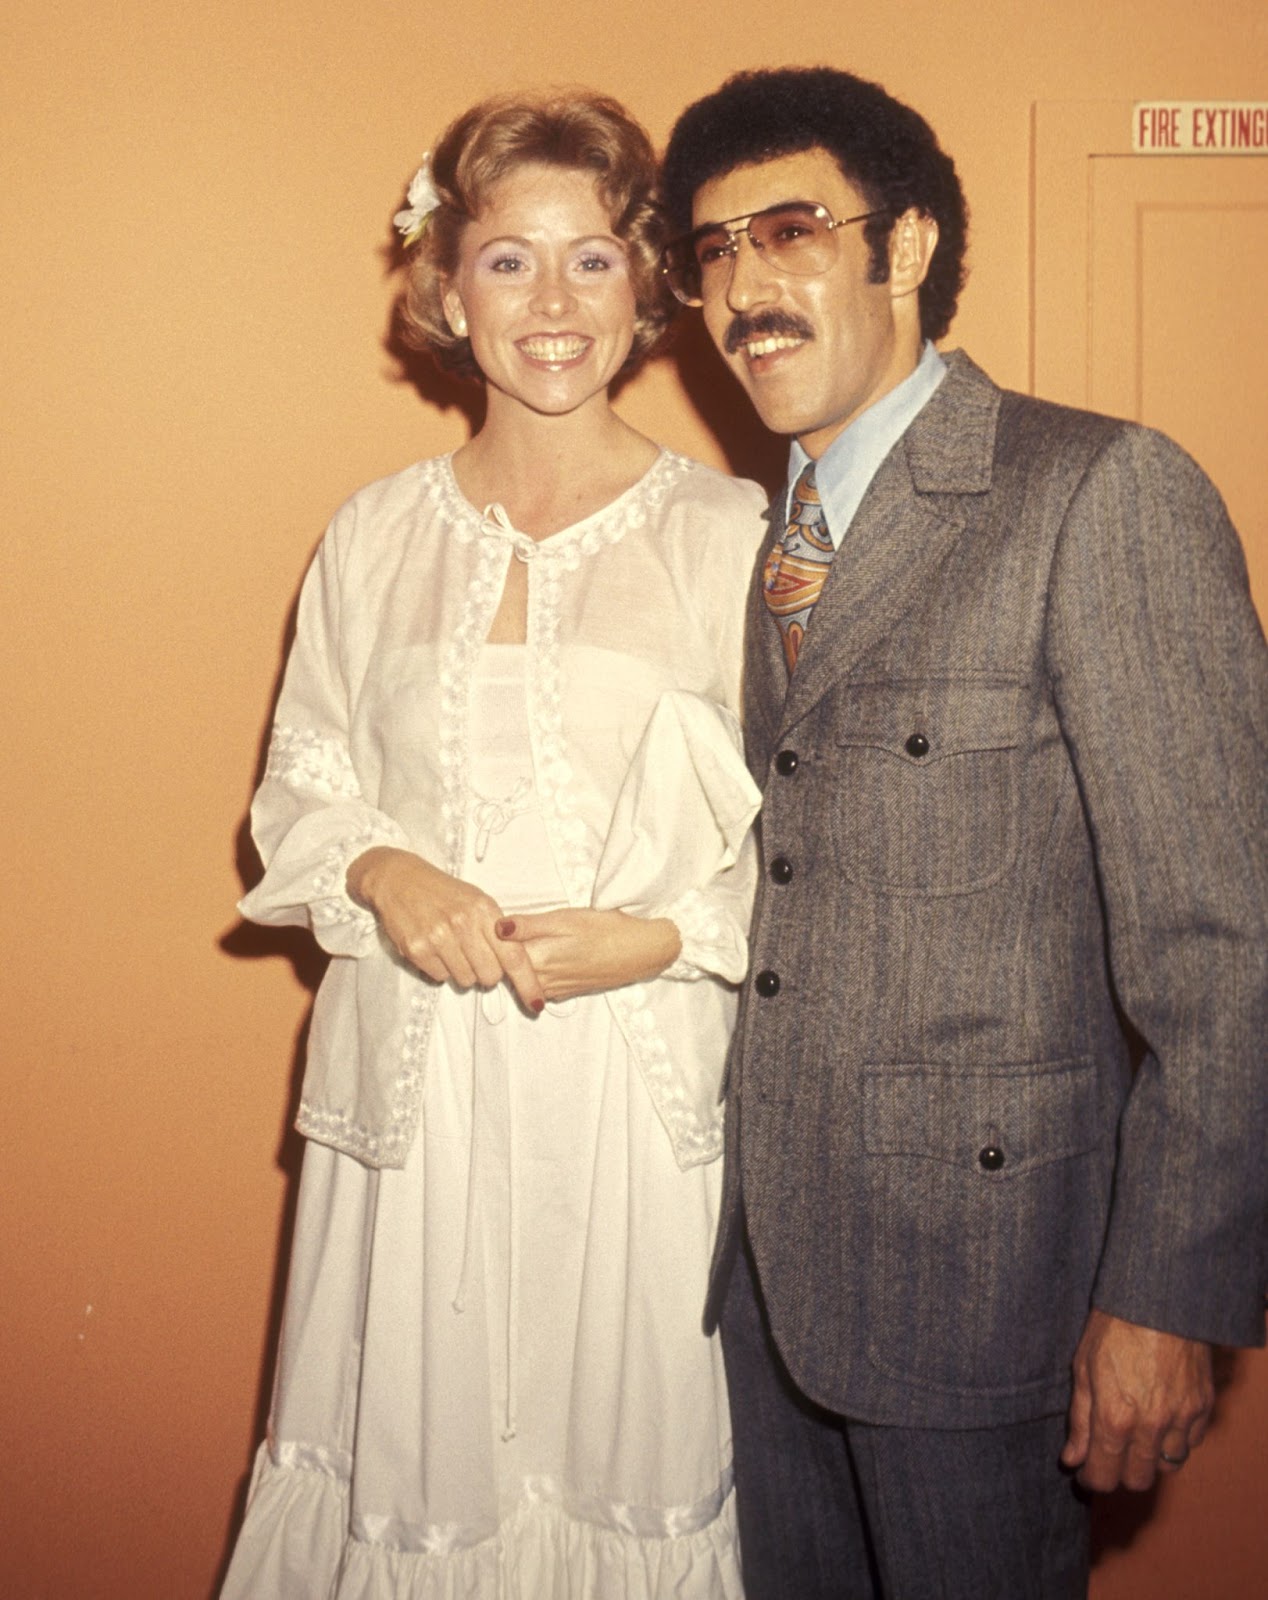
column 834, row 1509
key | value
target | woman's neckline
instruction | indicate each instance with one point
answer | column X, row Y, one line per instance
column 574, row 529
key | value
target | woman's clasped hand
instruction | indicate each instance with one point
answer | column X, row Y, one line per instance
column 442, row 925
column 455, row 933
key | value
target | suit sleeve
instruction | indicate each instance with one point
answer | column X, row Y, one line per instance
column 1161, row 682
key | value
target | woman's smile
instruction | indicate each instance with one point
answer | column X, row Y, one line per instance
column 555, row 351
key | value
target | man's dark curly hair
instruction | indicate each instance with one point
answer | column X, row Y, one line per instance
column 885, row 149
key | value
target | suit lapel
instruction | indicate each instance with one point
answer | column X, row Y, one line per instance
column 911, row 516
column 765, row 676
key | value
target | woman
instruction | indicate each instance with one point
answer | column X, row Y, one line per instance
column 513, row 668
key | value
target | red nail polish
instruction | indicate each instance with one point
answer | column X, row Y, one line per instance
column 504, row 929
column 538, row 1006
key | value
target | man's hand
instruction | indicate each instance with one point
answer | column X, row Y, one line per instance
column 1141, row 1402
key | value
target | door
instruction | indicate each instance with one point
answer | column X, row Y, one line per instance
column 1150, row 301
column 1150, row 279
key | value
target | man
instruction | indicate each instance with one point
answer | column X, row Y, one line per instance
column 997, row 1108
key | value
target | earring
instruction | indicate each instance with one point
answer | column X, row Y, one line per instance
column 458, row 324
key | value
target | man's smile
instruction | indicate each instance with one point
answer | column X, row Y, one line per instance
column 766, row 334
column 768, row 345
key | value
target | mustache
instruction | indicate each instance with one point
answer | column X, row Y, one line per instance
column 764, row 324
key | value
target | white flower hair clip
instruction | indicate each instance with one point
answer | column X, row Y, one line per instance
column 423, row 198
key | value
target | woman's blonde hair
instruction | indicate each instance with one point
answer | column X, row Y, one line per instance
column 574, row 130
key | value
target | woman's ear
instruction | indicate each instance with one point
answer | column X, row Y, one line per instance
column 455, row 314
column 912, row 241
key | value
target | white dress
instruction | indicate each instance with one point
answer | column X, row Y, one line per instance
column 493, row 1379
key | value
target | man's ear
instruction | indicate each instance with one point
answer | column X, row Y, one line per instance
column 455, row 312
column 912, row 242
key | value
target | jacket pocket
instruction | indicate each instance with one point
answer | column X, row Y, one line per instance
column 926, row 785
column 987, row 1193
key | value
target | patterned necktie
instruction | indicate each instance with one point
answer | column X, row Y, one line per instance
column 797, row 567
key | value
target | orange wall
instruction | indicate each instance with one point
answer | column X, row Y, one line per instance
column 194, row 378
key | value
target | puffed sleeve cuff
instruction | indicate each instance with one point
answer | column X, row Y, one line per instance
column 712, row 945
column 304, row 884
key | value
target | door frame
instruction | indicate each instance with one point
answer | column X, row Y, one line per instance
column 1066, row 136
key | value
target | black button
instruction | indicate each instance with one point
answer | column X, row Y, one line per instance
column 990, row 1158
column 781, row 870
column 767, row 984
column 917, row 745
column 786, row 763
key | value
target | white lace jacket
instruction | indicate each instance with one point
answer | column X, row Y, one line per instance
column 370, row 747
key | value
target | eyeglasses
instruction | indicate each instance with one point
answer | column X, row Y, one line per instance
column 796, row 237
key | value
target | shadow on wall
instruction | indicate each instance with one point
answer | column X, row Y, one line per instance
column 751, row 451
column 444, row 391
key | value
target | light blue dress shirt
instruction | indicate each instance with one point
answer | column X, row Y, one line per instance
column 849, row 464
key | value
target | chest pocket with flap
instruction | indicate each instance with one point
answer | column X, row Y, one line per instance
column 927, row 784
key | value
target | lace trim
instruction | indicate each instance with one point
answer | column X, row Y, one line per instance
column 341, row 1133
column 693, row 1143
column 610, row 523
column 311, row 761
column 456, row 667
column 702, row 930
column 331, row 906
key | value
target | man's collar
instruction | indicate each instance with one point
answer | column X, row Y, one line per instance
column 848, row 465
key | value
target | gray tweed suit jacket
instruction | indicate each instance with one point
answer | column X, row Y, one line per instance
column 1001, row 1052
